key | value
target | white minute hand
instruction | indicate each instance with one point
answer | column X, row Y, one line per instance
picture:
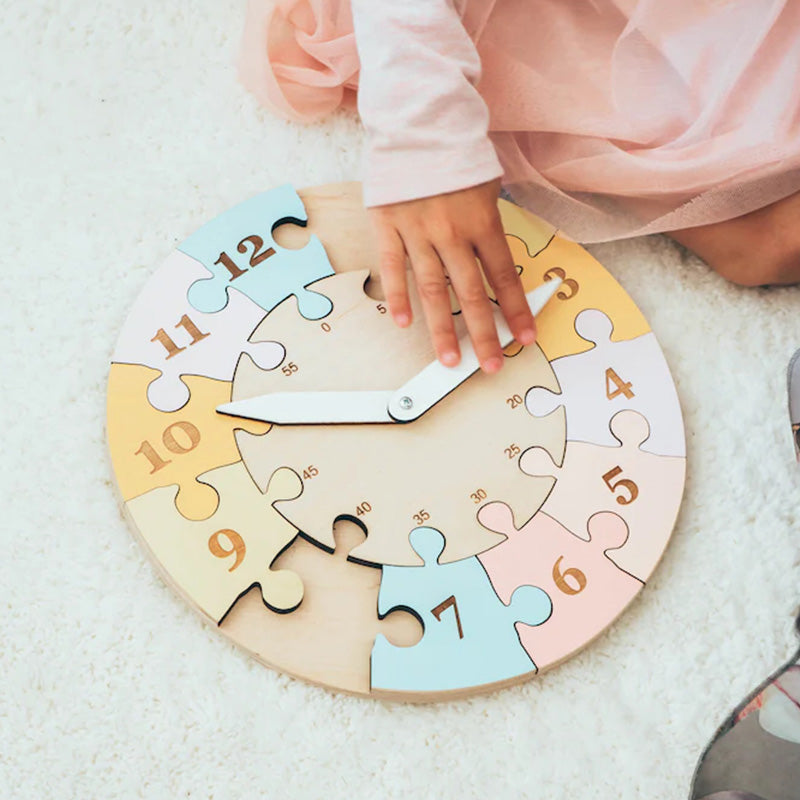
column 436, row 381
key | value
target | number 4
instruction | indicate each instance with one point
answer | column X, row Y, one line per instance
column 622, row 387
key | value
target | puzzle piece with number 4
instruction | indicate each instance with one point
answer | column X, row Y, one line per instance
column 469, row 637
column 215, row 560
column 239, row 251
column 609, row 377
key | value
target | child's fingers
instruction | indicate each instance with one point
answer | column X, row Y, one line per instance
column 435, row 298
column 467, row 281
column 501, row 272
column 392, row 259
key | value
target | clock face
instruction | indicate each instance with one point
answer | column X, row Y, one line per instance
column 490, row 538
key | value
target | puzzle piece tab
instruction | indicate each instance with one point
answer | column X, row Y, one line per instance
column 239, row 250
column 329, row 637
column 587, row 590
column 216, row 560
column 645, row 490
column 151, row 448
column 165, row 332
column 438, row 469
column 469, row 637
column 609, row 377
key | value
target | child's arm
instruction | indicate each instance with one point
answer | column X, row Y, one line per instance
column 431, row 173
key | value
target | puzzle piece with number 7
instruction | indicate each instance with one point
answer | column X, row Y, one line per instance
column 469, row 637
column 216, row 560
column 239, row 251
column 609, row 377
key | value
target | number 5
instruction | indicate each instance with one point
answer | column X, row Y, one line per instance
column 626, row 483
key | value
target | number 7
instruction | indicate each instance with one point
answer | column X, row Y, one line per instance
column 443, row 606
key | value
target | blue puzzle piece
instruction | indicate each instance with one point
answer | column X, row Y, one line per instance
column 237, row 248
column 469, row 638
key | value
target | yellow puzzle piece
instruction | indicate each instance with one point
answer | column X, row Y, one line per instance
column 151, row 448
column 218, row 559
column 587, row 284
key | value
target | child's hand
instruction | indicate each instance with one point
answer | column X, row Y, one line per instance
column 445, row 235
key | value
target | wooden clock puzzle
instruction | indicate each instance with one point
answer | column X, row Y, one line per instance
column 351, row 512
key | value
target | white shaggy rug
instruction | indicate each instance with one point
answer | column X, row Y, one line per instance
column 122, row 130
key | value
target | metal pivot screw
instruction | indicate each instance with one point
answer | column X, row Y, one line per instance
column 406, row 403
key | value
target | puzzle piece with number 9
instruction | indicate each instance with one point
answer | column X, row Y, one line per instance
column 215, row 560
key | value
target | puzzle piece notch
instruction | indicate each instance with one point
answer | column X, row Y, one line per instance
column 151, row 448
column 587, row 589
column 477, row 646
column 272, row 273
column 609, row 377
column 644, row 489
column 217, row 559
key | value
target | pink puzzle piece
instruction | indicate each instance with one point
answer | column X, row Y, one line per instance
column 165, row 332
column 588, row 591
column 608, row 378
column 645, row 490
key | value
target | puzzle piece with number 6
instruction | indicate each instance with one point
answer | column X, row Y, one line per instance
column 239, row 251
column 469, row 636
column 587, row 590
column 609, row 377
column 644, row 489
column 189, row 342
column 215, row 560
column 151, row 448
column 328, row 638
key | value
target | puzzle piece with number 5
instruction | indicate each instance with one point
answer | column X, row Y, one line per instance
column 151, row 448
column 587, row 590
column 239, row 250
column 469, row 637
column 188, row 342
column 644, row 489
column 328, row 638
column 216, row 560
column 609, row 377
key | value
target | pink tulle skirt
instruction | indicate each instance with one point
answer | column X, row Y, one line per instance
column 611, row 118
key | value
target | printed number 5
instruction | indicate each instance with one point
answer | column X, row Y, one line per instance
column 625, row 483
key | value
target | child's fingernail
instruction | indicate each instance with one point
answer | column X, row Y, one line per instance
column 492, row 364
column 402, row 320
column 527, row 336
column 450, row 358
